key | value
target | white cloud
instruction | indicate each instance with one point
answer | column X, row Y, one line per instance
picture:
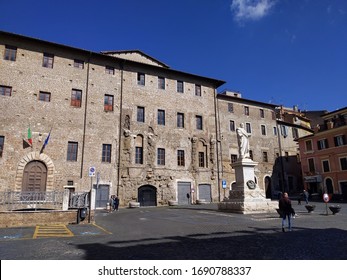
column 245, row 10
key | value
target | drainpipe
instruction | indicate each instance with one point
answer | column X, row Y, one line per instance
column 218, row 139
column 85, row 117
column 120, row 125
column 281, row 159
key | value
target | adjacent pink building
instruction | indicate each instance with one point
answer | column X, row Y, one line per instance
column 324, row 155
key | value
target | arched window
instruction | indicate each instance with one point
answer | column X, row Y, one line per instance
column 329, row 185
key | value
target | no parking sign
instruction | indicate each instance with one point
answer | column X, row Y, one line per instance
column 92, row 171
column 326, row 198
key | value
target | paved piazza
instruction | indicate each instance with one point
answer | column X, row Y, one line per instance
column 193, row 232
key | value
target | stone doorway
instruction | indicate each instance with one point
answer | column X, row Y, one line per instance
column 147, row 195
column 34, row 177
column 268, row 187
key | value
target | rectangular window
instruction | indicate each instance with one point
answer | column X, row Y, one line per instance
column 76, row 98
column 161, row 117
column 72, row 149
column 161, row 156
column 201, row 159
column 77, row 63
column 265, row 157
column 275, row 130
column 141, row 114
column 48, row 60
column 295, row 133
column 197, row 90
column 322, row 144
column 230, row 107
column 141, row 79
column 339, row 140
column 308, row 145
column 108, row 103
column 233, row 158
column 5, row 91
column 180, row 86
column 180, row 120
column 180, row 158
column 45, row 96
column 248, row 128
column 326, row 166
column 246, row 109
column 263, row 129
column 198, row 122
column 161, row 83
column 2, row 141
column 343, row 163
column 311, row 166
column 106, row 153
column 232, row 125
column 138, row 155
column 109, row 70
column 262, row 113
column 273, row 115
column 10, row 53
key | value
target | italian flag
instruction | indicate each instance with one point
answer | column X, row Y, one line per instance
column 30, row 139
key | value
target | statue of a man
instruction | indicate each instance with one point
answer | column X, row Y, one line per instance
column 243, row 141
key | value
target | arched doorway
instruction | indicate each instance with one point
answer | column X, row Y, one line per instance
column 329, row 185
column 268, row 189
column 34, row 177
column 147, row 195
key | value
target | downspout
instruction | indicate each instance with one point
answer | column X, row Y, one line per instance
column 85, row 116
column 120, row 125
column 284, row 185
column 217, row 126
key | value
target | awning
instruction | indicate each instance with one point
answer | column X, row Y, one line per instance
column 313, row 179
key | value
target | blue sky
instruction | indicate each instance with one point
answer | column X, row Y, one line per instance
column 290, row 52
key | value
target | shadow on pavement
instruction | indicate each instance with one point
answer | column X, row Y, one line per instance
column 300, row 244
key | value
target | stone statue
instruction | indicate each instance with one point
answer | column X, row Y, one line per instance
column 243, row 141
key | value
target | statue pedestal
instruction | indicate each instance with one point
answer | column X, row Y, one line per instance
column 246, row 197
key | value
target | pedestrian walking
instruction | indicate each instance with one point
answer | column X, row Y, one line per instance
column 115, row 203
column 285, row 206
column 306, row 194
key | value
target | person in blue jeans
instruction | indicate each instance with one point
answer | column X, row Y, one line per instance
column 285, row 206
column 306, row 194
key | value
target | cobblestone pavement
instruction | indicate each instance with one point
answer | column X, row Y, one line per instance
column 193, row 232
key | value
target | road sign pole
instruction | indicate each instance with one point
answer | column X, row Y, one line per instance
column 91, row 175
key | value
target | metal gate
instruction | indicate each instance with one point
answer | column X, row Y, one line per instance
column 183, row 193
column 102, row 195
column 205, row 192
column 147, row 195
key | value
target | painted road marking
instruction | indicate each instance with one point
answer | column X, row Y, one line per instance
column 52, row 231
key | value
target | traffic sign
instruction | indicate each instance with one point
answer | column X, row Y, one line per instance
column 92, row 171
column 224, row 184
column 326, row 198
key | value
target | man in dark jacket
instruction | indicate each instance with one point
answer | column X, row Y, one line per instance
column 285, row 206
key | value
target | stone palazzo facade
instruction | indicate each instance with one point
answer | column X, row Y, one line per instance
column 152, row 134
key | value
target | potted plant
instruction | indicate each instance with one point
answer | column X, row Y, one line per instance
column 310, row 207
column 335, row 209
